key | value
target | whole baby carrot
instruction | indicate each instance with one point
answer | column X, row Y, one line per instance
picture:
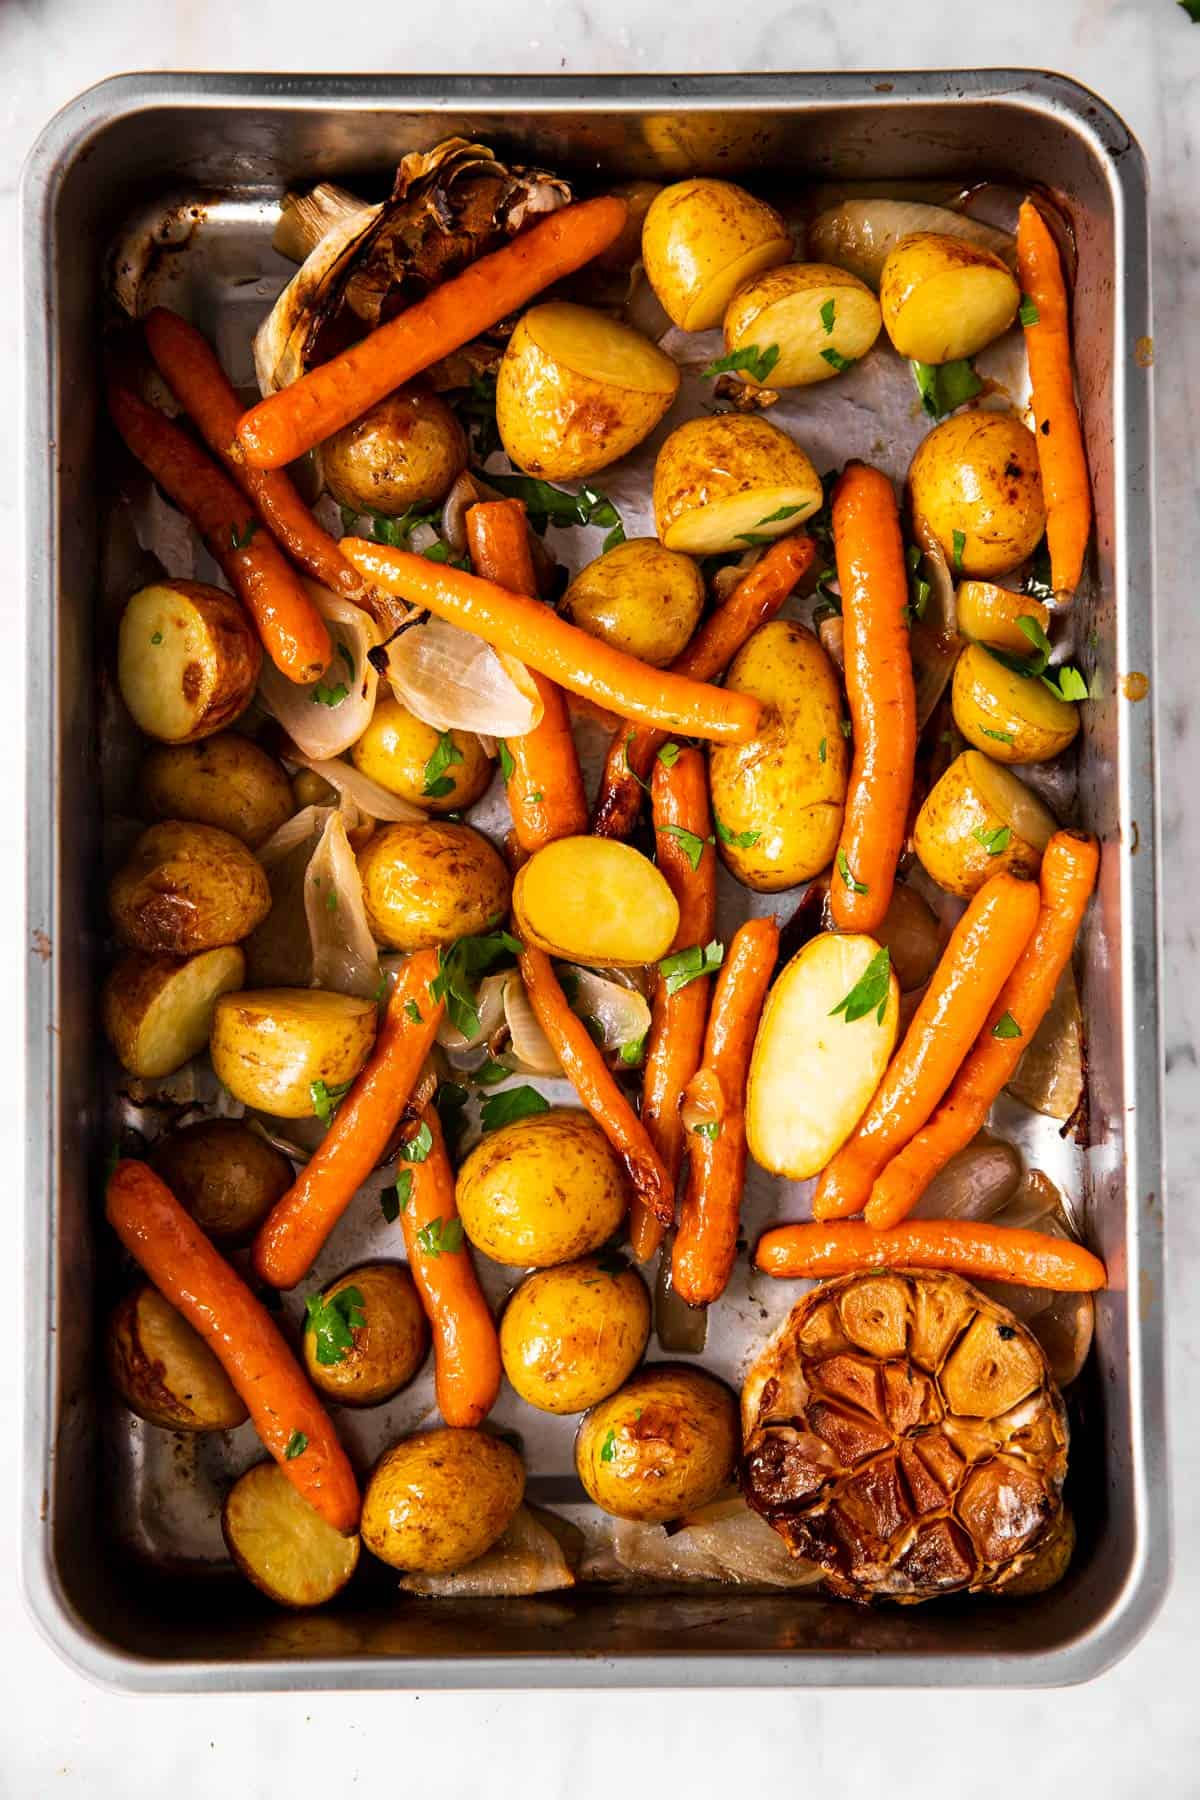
column 982, row 1252
column 1046, row 318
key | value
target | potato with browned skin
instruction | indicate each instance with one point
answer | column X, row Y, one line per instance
column 163, row 1369
column 225, row 1174
column 976, row 483
column 702, row 240
column 290, row 1051
column 406, row 450
column 157, row 1011
column 379, row 1305
column 439, row 1499
column 662, row 1445
column 188, row 659
column 572, row 1334
column 225, row 780
column 186, row 888
column 430, row 884
column 542, row 1190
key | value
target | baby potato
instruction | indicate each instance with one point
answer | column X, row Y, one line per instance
column 157, row 1011
column 227, row 1176
column 572, row 1334
column 819, row 318
column 989, row 614
column 640, row 598
column 1012, row 718
column 389, row 1346
column 395, row 750
column 439, row 1499
column 281, row 1543
column 311, row 789
column 407, row 449
column 595, row 901
column 662, row 1445
column 976, row 482
column 164, row 1371
column 431, row 884
column 912, row 935
column 225, row 780
column 944, row 298
column 270, row 1046
column 188, row 659
column 723, row 482
column 701, row 240
column 577, row 389
column 542, row 1190
column 187, row 888
column 979, row 818
column 780, row 797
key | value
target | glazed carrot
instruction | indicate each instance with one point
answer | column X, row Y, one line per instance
column 186, row 1269
column 1058, row 431
column 1068, row 875
column 585, row 1068
column 755, row 599
column 292, row 630
column 706, row 1242
column 975, row 964
column 983, row 1252
column 679, row 796
column 293, row 1232
column 287, row 424
column 537, row 636
column 466, row 1351
column 879, row 687
column 544, row 785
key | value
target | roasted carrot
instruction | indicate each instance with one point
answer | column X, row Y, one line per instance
column 585, row 1068
column 466, row 1351
column 975, row 964
column 293, row 1232
column 679, row 797
column 538, row 637
column 292, row 630
column 183, row 1265
column 983, row 1252
column 543, row 781
column 1059, row 434
column 287, row 424
column 873, row 578
column 1068, row 875
column 755, row 599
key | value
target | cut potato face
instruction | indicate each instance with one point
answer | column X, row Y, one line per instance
column 158, row 1010
column 701, row 241
column 989, row 614
column 281, row 1543
column 639, row 598
column 814, row 1070
column 408, row 449
column 1011, row 718
column 164, row 1371
column 271, row 1046
column 819, row 318
column 396, row 749
column 943, row 298
column 977, row 819
column 430, row 884
column 186, row 888
column 225, row 781
column 595, row 901
column 721, row 483
column 976, row 482
column 542, row 1190
column 188, row 660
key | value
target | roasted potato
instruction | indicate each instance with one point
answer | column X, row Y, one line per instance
column 979, row 818
column 188, row 659
column 662, row 1445
column 640, row 598
column 1010, row 717
column 913, row 937
column 311, row 789
column 227, row 1176
column 441, row 1498
column 164, row 1371
column 187, row 888
column 578, row 389
column 396, row 748
column 542, row 1190
column 431, row 884
column 975, row 480
column 702, row 240
column 225, row 780
column 409, row 448
column 281, row 1543
column 158, row 1010
column 944, row 298
column 572, row 1334
column 989, row 614
column 724, row 482
column 820, row 319
column 390, row 1343
column 271, row 1046
column 595, row 901
column 780, row 797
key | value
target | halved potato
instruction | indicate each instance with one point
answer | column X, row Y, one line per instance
column 979, row 818
column 595, row 901
column 188, row 659
column 975, row 481
column 860, row 235
column 640, row 598
column 1012, row 718
column 225, row 781
column 431, row 883
column 577, row 389
column 396, row 748
column 813, row 1071
column 158, row 1010
column 408, row 448
column 726, row 482
column 989, row 614
column 185, row 888
column 819, row 318
column 281, row 1543
column 271, row 1046
column 227, row 1176
column 944, row 298
column 701, row 240
column 163, row 1369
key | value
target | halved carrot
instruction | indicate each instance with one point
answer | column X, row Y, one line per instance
column 286, row 424
column 186, row 1269
column 982, row 1252
column 975, row 964
column 294, row 1231
column 1058, row 431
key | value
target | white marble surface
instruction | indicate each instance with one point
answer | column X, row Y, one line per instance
column 1137, row 1730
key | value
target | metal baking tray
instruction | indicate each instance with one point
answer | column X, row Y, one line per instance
column 123, row 1566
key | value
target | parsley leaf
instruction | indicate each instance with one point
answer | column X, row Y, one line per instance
column 994, row 842
column 333, row 1322
column 870, row 992
column 688, row 965
column 1037, row 580
column 828, row 314
column 239, row 542
column 945, row 386
column 843, row 868
column 441, row 1237
column 691, row 845
column 324, row 1099
column 490, row 1074
column 329, row 696
column 331, row 899
column 631, row 1053
column 417, row 1148
column 297, row 1444
column 437, row 783
column 1001, row 737
column 606, row 1448
column 450, row 1102
column 1070, row 684
column 1028, row 312
column 821, row 751
column 837, row 361
column 394, row 1200
column 157, row 638
column 460, row 970
column 960, row 544
column 549, row 505
column 478, row 407
column 1037, row 637
column 707, row 1128
column 412, row 1011
column 513, row 1104
column 507, row 765
column 781, row 512
column 668, row 756
column 846, row 728
column 741, row 840
column 752, row 361
column 1006, row 1027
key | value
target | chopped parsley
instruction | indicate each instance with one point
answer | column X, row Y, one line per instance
column 437, row 783
column 740, row 840
column 1006, row 1027
column 333, row 1323
column 417, row 1147
column 441, row 1237
column 781, row 512
column 843, row 868
column 960, row 544
column 870, row 992
column 707, row 1128
column 944, row 387
column 394, row 1199
column 836, row 360
column 668, row 756
column 751, row 361
column 450, row 1102
column 1065, row 681
column 460, row 970
column 239, row 542
column 514, row 1103
column 828, row 314
column 324, row 695
column 412, row 1011
column 994, row 842
column 325, row 1098
column 821, row 751
column 507, row 765
column 1028, row 312
column 297, row 1444
column 331, row 898
column 491, row 1074
column 846, row 728
column 691, row 845
column 1001, row 737
column 606, row 1448
column 157, row 638
column 548, row 505
column 688, row 965
column 631, row 1054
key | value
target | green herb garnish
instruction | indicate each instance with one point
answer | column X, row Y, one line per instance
column 843, row 868
column 960, row 544
column 412, row 1011
column 1006, row 1027
column 631, row 1054
column 157, row 638
column 460, row 970
column 668, row 756
column 394, row 1200
column 945, row 386
column 437, row 783
column 1001, row 737
column 691, row 845
column 441, row 1237
column 329, row 696
column 450, row 1103
column 821, row 751
column 688, row 965
column 606, row 1448
column 297, row 1444
column 237, row 542
column 870, row 992
column 491, row 1074
column 836, row 360
column 507, row 765
column 1028, row 312
column 708, row 1128
column 549, row 505
column 994, row 842
column 513, row 1104
column 741, row 840
column 751, row 361
column 828, row 314
column 333, row 1322
column 781, row 512
column 325, row 1099
column 416, row 1148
